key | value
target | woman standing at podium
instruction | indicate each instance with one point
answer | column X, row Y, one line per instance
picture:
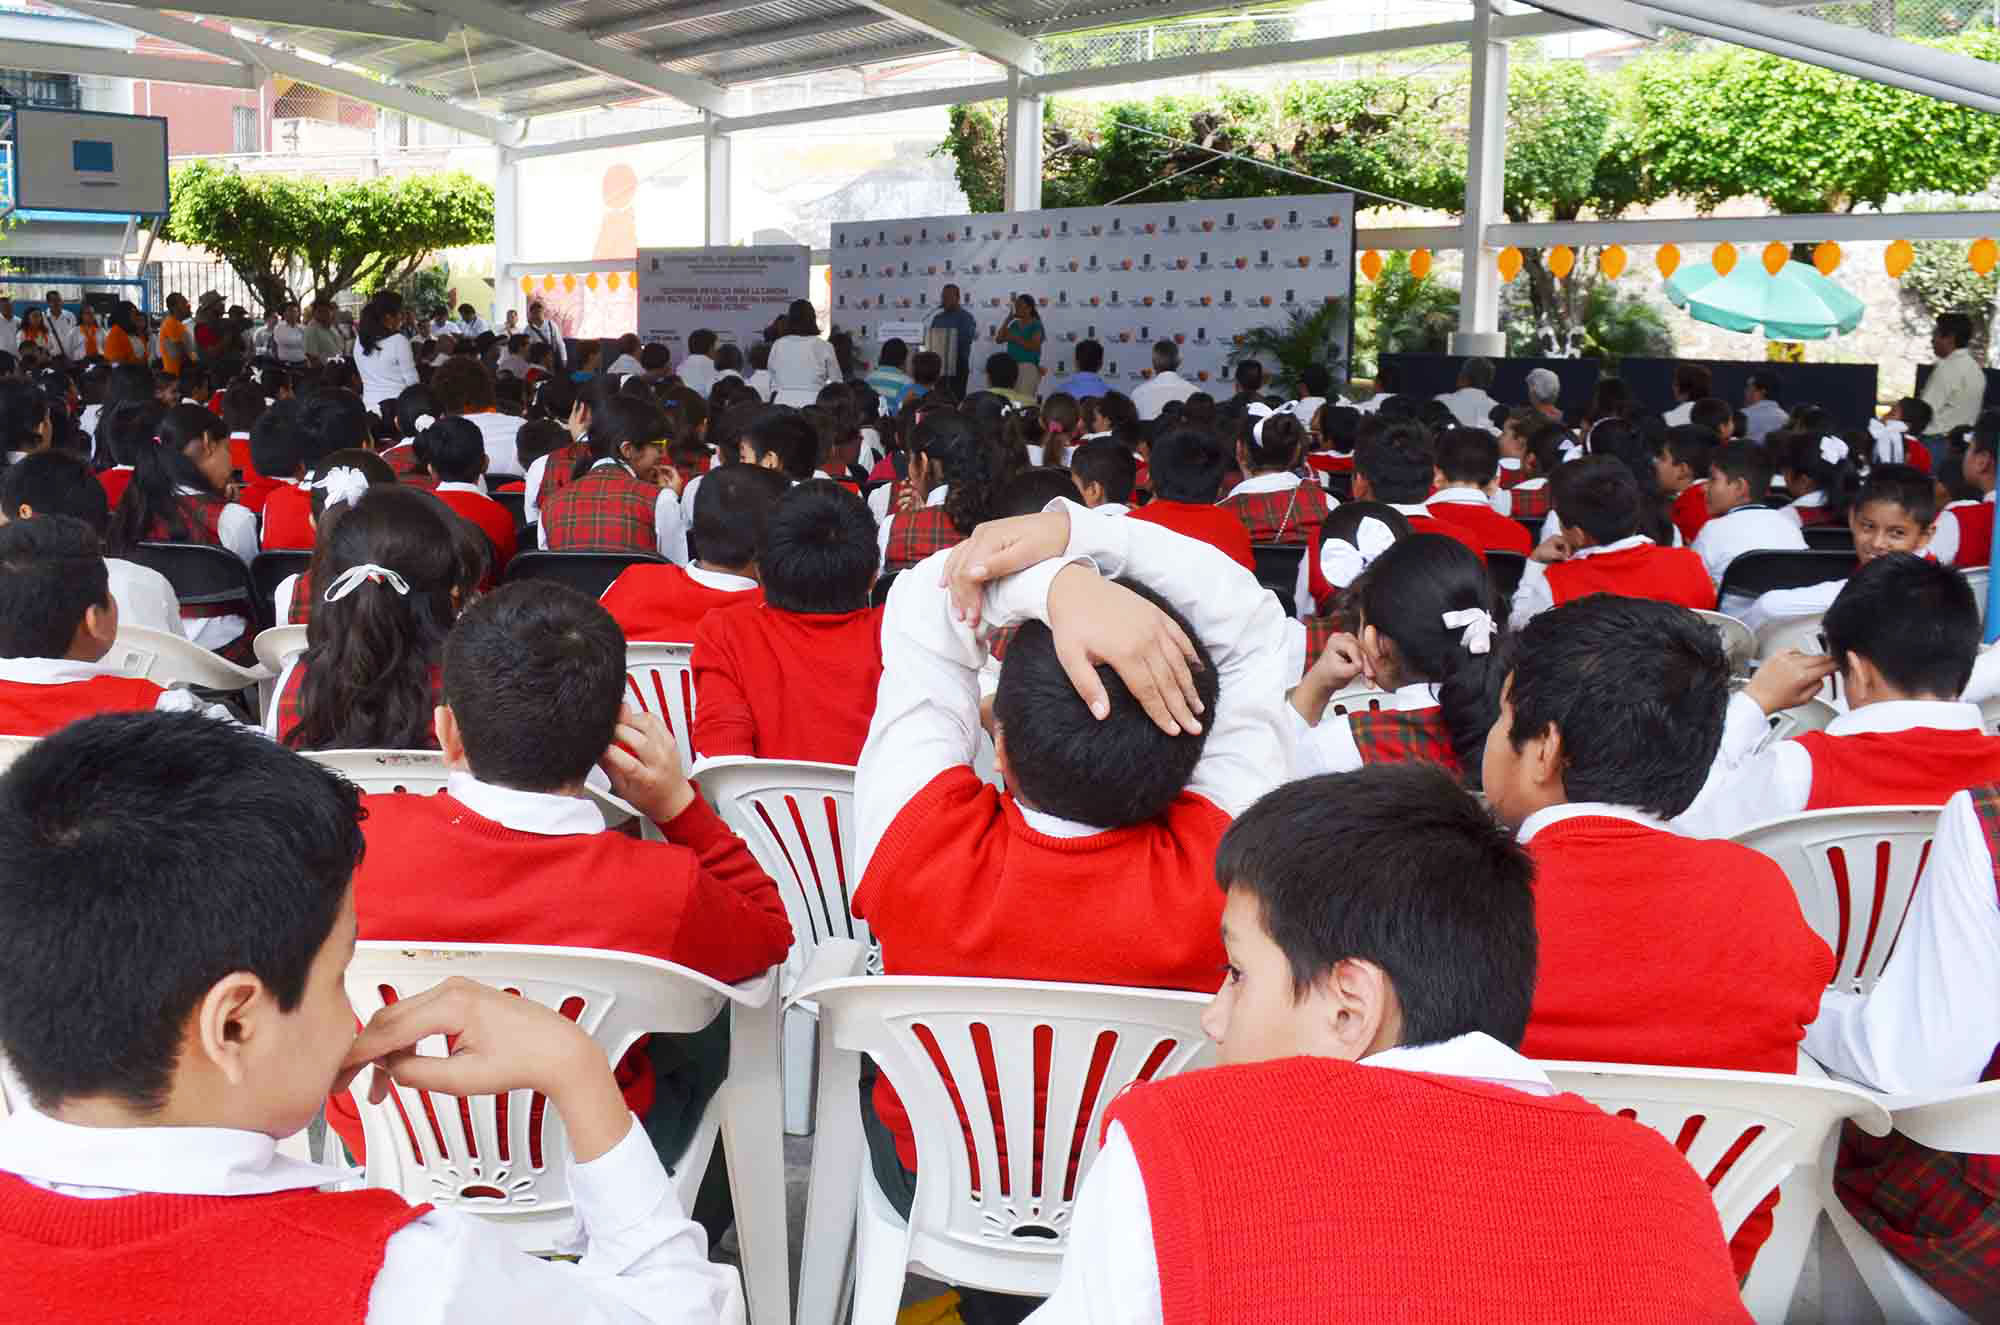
column 801, row 362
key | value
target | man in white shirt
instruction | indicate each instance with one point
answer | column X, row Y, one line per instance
column 1152, row 395
column 10, row 330
column 1956, row 388
column 697, row 370
column 59, row 319
column 627, row 363
column 540, row 329
column 288, row 338
column 460, row 386
column 1691, row 383
column 470, row 323
column 1739, row 478
column 1761, row 410
column 1470, row 404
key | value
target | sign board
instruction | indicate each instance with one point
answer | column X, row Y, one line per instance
column 734, row 292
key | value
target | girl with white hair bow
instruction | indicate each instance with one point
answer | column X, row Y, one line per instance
column 1821, row 474
column 1270, row 501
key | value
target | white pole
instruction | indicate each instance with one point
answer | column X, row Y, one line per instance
column 1479, row 290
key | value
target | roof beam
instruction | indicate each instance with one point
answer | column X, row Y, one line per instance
column 955, row 26
column 389, row 96
column 637, row 137
column 619, row 27
column 1252, row 57
column 352, row 15
column 842, row 21
column 584, row 53
column 57, row 58
column 860, row 57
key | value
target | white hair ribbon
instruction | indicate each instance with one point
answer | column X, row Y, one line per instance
column 1259, row 411
column 1832, row 450
column 1342, row 562
column 343, row 483
column 421, row 422
column 354, row 577
column 1889, row 440
column 1570, row 450
column 1478, row 628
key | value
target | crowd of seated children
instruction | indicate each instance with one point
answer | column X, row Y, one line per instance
column 1425, row 632
column 622, row 498
column 337, row 481
column 1382, row 953
column 1598, row 505
column 1468, row 464
column 387, row 581
column 328, row 421
column 1901, row 638
column 1396, row 466
column 1105, row 472
column 1964, row 536
column 1681, row 459
column 1739, row 518
column 1612, row 711
column 534, row 680
column 58, row 483
column 158, row 1096
column 1354, row 535
column 1820, row 475
column 666, row 603
column 1130, row 724
column 793, row 674
column 1187, row 468
column 1895, row 511
column 955, row 470
column 1273, row 503
column 456, row 456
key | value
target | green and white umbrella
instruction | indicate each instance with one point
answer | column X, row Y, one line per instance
column 1796, row 304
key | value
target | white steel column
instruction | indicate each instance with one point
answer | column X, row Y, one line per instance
column 506, row 235
column 1024, row 144
column 715, row 232
column 1479, row 293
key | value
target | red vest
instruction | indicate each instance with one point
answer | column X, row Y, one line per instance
column 27, row 709
column 1690, row 511
column 1457, row 533
column 114, row 481
column 1492, row 530
column 304, row 1257
column 1298, row 1191
column 288, row 519
column 1975, row 532
column 1664, row 574
column 665, row 603
column 490, row 518
column 1921, row 766
column 1203, row 522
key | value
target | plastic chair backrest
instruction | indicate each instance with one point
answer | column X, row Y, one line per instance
column 170, row 660
column 1505, row 569
column 1855, row 872
column 585, row 572
column 13, row 747
column 1363, row 698
column 1976, row 577
column 955, row 1045
column 510, row 1164
column 271, row 569
column 1705, row 1114
column 204, row 575
column 1799, row 632
column 659, row 678
column 1737, row 641
column 278, row 645
column 797, row 818
column 1278, row 566
column 1811, row 716
column 1755, row 573
column 378, row 771
column 1830, row 538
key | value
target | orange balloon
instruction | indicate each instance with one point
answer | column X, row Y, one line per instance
column 1562, row 260
column 1776, row 255
column 527, row 285
column 1896, row 259
column 1826, row 257
column 1724, row 258
column 590, row 281
column 1509, row 263
column 1611, row 263
column 569, row 283
column 1371, row 264
column 548, row 284
column 1984, row 255
column 1420, row 263
column 1669, row 259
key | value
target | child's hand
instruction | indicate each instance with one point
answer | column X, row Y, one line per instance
column 1339, row 663
column 1788, row 680
column 999, row 548
column 1552, row 549
column 669, row 477
column 643, row 762
column 1095, row 621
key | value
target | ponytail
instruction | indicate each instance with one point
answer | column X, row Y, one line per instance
column 970, row 463
column 1273, row 441
column 152, row 509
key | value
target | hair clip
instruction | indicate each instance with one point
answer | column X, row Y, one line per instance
column 1479, row 628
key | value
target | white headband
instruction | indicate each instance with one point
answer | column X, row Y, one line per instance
column 1832, row 450
column 1342, row 562
column 354, row 577
column 343, row 483
column 1479, row 628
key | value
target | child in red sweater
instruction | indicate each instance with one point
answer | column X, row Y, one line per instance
column 1468, row 464
column 1188, row 465
column 1381, row 941
column 534, row 676
column 1681, row 463
column 666, row 603
column 455, row 453
column 794, row 676
column 1600, row 549
column 158, row 1096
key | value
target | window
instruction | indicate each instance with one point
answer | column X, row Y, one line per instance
column 244, row 121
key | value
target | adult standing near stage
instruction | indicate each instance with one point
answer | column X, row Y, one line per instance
column 1956, row 391
column 1021, row 337
column 801, row 363
column 385, row 361
column 955, row 318
column 322, row 339
column 540, row 328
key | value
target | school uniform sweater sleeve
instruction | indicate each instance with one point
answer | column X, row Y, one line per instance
column 725, row 723
column 742, row 930
column 1749, row 782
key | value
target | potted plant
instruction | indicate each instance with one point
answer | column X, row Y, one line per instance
column 1312, row 334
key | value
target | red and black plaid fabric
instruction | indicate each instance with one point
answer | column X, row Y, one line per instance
column 556, row 473
column 1394, row 736
column 1291, row 516
column 1936, row 1212
column 401, row 459
column 1319, row 630
column 607, row 510
column 300, row 612
column 1530, row 503
column 203, row 513
column 914, row 535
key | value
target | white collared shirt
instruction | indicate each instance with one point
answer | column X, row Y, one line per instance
column 1812, row 500
column 1745, row 529
column 697, row 373
column 721, row 581
column 1955, row 391
column 1533, row 596
column 537, row 812
column 1946, row 537
column 1807, row 600
column 1679, row 414
column 1551, row 815
column 1152, row 395
column 625, row 366
column 643, row 1260
column 1472, row 407
column 1328, row 745
column 1932, row 1020
column 478, row 488
column 1283, row 480
column 500, row 432
column 1111, row 1271
column 1764, row 418
column 1748, row 785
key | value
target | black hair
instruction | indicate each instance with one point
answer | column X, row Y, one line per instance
column 1608, row 399
column 1801, row 453
column 1711, row 413
column 1916, row 415
column 1002, row 371
column 274, row 441
column 1691, row 380
column 731, row 509
column 1598, row 495
column 454, row 449
column 1901, row 485
column 152, row 507
column 1985, row 436
column 1957, row 326
column 536, row 438
column 1187, row 465
column 895, row 352
column 1107, row 463
column 108, row 844
column 370, row 328
column 22, row 409
column 619, row 421
column 331, row 420
column 55, row 483
column 1031, row 490
column 1398, row 464
column 1745, row 462
column 1089, row 356
column 818, row 555
column 1337, row 424
column 1250, row 377
column 534, row 673
column 242, row 405
column 51, row 573
column 968, row 460
column 1272, row 443
column 1636, row 688
column 1694, row 446
column 126, row 430
column 1396, row 866
column 1468, row 455
column 1915, row 620
column 1546, row 441
column 1405, row 596
column 369, row 656
column 1112, row 773
column 787, row 434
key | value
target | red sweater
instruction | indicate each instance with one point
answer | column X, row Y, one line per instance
column 1975, row 532
column 1494, row 531
column 961, row 885
column 698, row 899
column 27, row 709
column 114, row 481
column 1665, row 574
column 288, row 519
column 1920, row 766
column 1202, row 521
column 304, row 1257
column 1430, row 524
column 1690, row 510
column 1457, row 1200
column 663, row 604
column 489, row 517
column 786, row 685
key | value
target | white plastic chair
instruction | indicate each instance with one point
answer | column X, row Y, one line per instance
column 1798, row 632
column 1811, row 716
column 1737, row 641
column 1989, row 714
column 279, row 645
column 1360, row 698
column 797, row 818
column 974, row 1221
column 1705, row 1114
column 170, row 660
column 659, row 678
column 1976, row 577
column 13, row 747
column 379, row 771
column 515, row 1173
column 1854, row 872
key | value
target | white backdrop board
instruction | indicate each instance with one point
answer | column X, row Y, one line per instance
column 734, row 292
column 89, row 161
column 1197, row 273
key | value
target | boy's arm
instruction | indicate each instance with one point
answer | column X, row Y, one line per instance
column 1750, row 783
column 724, row 722
column 1532, row 596
column 669, row 528
column 1110, row 1270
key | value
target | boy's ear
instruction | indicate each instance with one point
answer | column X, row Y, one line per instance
column 1542, row 758
column 451, row 743
column 1437, row 477
column 1359, row 1011
column 100, row 627
column 225, row 1020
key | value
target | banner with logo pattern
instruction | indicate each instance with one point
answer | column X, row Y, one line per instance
column 1200, row 274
